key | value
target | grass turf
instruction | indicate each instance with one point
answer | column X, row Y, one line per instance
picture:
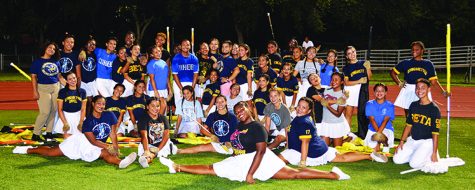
column 33, row 171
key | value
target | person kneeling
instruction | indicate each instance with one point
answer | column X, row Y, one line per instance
column 90, row 144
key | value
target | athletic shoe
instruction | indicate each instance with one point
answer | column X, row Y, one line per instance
column 341, row 174
column 128, row 160
column 143, row 161
column 37, row 138
column 379, row 157
column 21, row 149
column 169, row 163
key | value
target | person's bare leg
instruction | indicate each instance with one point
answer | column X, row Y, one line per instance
column 195, row 169
column 349, row 114
column 109, row 158
column 304, row 173
column 326, row 139
column 283, row 159
column 46, row 151
column 279, row 139
column 197, row 149
column 351, row 157
column 377, row 148
column 337, row 141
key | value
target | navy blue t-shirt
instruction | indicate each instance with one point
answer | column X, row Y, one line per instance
column 100, row 127
column 414, row 70
column 72, row 99
column 302, row 127
column 260, row 99
column 355, row 71
column 137, row 105
column 46, row 70
column 223, row 125
column 136, row 70
column 275, row 61
column 245, row 66
column 116, row 106
column 211, row 90
column 272, row 75
column 117, row 65
column 68, row 62
column 289, row 87
column 229, row 63
column 425, row 120
column 218, row 56
column 88, row 68
column 317, row 106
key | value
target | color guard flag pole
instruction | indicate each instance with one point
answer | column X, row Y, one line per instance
column 168, row 39
column 21, row 71
column 448, row 47
column 192, row 40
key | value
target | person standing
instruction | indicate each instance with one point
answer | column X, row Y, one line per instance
column 105, row 58
column 275, row 60
column 413, row 69
column 184, row 70
column 229, row 69
column 307, row 43
column 69, row 58
column 89, row 71
column 45, row 77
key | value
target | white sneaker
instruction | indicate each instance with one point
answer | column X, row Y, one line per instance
column 21, row 149
column 341, row 174
column 379, row 157
column 143, row 161
column 169, row 163
column 128, row 160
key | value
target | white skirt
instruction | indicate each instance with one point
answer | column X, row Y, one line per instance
column 162, row 93
column 243, row 92
column 199, row 89
column 78, row 147
column 105, row 86
column 372, row 144
column 165, row 151
column 407, row 95
column 90, row 88
column 189, row 127
column 354, row 95
column 221, row 148
column 236, row 167
column 129, row 88
column 73, row 121
column 303, row 87
column 333, row 130
column 294, row 157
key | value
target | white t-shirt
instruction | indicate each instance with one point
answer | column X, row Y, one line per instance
column 188, row 112
column 328, row 117
column 232, row 102
column 305, row 68
column 305, row 45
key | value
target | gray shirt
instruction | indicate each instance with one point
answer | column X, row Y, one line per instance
column 280, row 117
column 328, row 116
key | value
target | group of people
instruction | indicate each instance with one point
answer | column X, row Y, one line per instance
column 296, row 101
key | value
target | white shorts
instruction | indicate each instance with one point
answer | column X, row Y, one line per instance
column 333, row 130
column 407, row 95
column 162, row 93
column 189, row 127
column 105, row 87
column 90, row 88
column 294, row 157
column 73, row 121
column 177, row 92
column 372, row 144
column 260, row 117
column 276, row 132
column 354, row 95
column 288, row 101
column 129, row 88
column 243, row 92
column 165, row 151
column 236, row 167
column 78, row 147
column 221, row 148
column 416, row 152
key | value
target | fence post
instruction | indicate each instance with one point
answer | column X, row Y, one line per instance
column 1, row 61
column 470, row 66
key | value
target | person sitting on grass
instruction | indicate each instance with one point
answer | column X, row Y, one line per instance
column 154, row 131
column 253, row 159
column 91, row 143
column 189, row 112
column 219, row 127
column 306, row 148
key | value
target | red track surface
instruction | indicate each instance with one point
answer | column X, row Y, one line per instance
column 18, row 96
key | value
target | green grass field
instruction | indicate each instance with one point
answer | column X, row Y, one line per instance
column 33, row 172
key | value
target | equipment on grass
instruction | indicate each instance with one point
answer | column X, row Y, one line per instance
column 21, row 71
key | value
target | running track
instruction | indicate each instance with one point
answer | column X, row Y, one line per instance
column 18, row 96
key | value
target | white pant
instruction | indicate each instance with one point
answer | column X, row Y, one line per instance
column 165, row 151
column 416, row 152
column 162, row 93
column 372, row 144
column 243, row 92
column 90, row 87
column 177, row 91
column 105, row 87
